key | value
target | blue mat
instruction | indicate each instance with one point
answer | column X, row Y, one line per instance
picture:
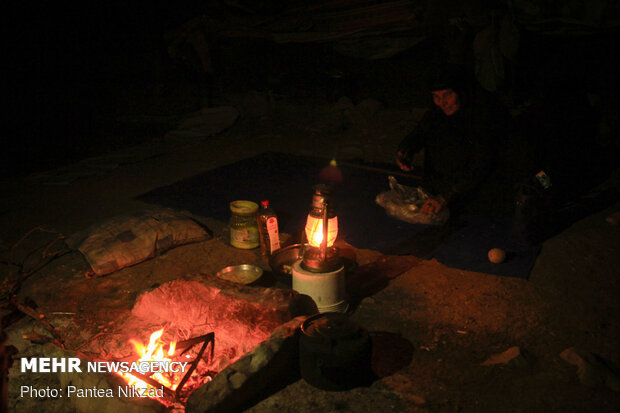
column 287, row 181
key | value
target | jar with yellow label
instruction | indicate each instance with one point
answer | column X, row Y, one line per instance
column 243, row 225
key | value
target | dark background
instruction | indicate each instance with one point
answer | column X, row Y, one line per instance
column 80, row 75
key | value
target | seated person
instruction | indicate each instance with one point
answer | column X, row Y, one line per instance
column 462, row 136
column 475, row 154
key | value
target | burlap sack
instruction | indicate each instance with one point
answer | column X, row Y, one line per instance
column 129, row 239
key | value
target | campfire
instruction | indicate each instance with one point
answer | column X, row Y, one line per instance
column 173, row 372
column 187, row 331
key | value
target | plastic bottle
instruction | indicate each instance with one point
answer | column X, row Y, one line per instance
column 268, row 229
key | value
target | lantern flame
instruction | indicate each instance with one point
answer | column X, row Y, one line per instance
column 314, row 231
column 317, row 235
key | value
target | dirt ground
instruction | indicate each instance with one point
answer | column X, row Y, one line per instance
column 432, row 326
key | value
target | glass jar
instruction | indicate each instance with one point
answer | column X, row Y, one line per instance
column 243, row 225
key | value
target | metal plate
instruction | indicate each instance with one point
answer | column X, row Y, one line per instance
column 242, row 274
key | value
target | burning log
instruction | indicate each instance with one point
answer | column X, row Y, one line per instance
column 171, row 387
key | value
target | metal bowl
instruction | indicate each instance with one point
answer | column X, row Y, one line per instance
column 282, row 261
column 242, row 274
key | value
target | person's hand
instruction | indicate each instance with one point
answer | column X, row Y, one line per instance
column 403, row 162
column 433, row 206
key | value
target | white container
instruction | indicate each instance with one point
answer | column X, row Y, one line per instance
column 327, row 289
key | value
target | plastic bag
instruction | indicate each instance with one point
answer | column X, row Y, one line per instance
column 404, row 203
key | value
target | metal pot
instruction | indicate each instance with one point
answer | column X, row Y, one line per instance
column 334, row 352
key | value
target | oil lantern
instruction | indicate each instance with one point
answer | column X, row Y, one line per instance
column 319, row 273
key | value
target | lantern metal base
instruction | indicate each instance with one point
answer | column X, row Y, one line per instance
column 327, row 289
column 312, row 261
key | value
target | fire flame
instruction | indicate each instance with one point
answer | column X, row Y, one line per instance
column 317, row 234
column 154, row 351
column 314, row 231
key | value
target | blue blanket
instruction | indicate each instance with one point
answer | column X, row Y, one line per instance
column 287, row 182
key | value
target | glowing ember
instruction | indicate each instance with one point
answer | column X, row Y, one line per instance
column 153, row 352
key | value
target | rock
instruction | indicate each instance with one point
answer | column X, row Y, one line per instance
column 271, row 362
column 513, row 357
column 592, row 370
column 614, row 219
column 419, row 400
column 237, row 379
column 368, row 301
column 260, row 358
column 369, row 107
column 336, row 119
column 344, row 103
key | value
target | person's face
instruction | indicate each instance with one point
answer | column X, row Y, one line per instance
column 447, row 100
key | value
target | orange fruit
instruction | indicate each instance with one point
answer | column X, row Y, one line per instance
column 497, row 255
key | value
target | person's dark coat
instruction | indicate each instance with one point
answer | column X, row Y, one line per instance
column 460, row 151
